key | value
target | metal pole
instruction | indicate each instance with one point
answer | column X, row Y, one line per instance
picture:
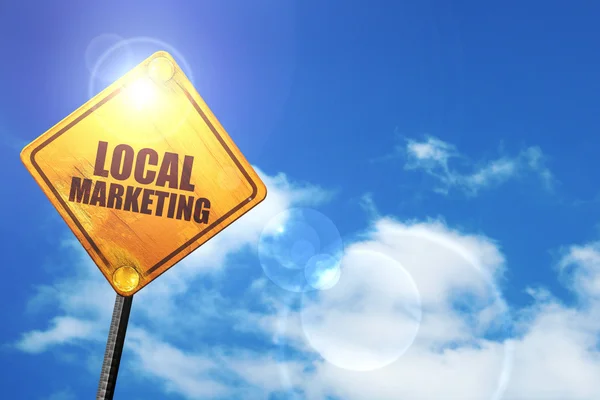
column 114, row 348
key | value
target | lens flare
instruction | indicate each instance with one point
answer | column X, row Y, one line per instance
column 323, row 271
column 141, row 93
column 300, row 250
column 161, row 69
column 369, row 319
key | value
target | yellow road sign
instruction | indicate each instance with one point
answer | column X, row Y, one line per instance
column 143, row 174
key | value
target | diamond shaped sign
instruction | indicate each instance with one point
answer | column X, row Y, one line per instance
column 143, row 174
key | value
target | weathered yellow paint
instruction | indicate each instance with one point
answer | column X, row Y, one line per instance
column 155, row 107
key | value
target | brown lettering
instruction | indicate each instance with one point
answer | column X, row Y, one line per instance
column 169, row 171
column 185, row 207
column 146, row 201
column 201, row 212
column 122, row 157
column 99, row 169
column 115, row 196
column 131, row 199
column 186, row 173
column 160, row 202
column 172, row 203
column 80, row 191
column 140, row 167
column 99, row 194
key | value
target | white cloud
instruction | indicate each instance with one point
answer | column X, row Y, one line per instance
column 434, row 157
column 553, row 354
column 432, row 152
column 557, row 356
column 581, row 267
column 66, row 394
column 369, row 319
column 63, row 330
column 458, row 350
column 264, row 372
column 214, row 374
column 180, row 372
column 367, row 203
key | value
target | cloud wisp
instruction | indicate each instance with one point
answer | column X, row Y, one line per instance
column 442, row 161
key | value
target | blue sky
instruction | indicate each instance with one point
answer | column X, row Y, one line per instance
column 451, row 145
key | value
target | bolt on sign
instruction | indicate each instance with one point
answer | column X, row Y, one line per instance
column 143, row 174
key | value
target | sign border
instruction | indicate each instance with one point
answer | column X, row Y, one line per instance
column 181, row 248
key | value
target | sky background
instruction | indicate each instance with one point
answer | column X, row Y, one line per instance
column 451, row 146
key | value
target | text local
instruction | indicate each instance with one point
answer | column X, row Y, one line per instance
column 125, row 163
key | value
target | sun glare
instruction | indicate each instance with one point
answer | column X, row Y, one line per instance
column 141, row 92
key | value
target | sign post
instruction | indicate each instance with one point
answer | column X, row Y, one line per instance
column 114, row 348
column 143, row 174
